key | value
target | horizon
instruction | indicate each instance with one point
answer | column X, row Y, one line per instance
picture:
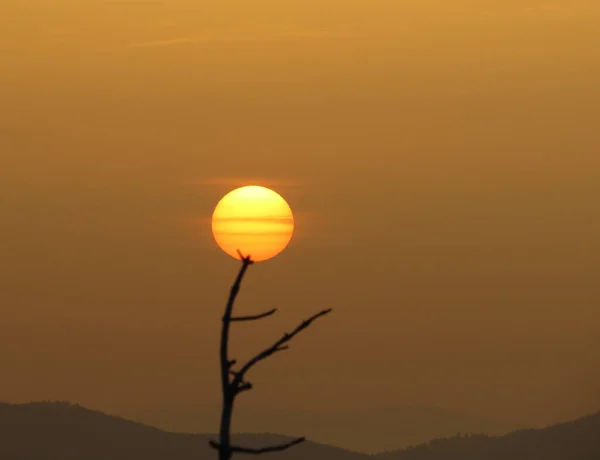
column 32, row 416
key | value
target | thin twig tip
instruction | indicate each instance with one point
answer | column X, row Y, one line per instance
column 245, row 259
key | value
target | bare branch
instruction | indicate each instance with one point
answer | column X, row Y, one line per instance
column 233, row 381
column 245, row 259
column 243, row 387
column 240, row 385
column 253, row 317
column 278, row 346
column 262, row 450
column 226, row 363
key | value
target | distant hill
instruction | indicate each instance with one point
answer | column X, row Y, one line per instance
column 62, row 431
column 575, row 440
column 369, row 430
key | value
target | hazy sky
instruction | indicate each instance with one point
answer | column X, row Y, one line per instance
column 442, row 159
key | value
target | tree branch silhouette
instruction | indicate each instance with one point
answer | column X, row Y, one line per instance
column 261, row 450
column 233, row 382
column 277, row 346
column 251, row 318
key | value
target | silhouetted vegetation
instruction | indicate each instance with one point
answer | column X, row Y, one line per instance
column 576, row 440
column 233, row 382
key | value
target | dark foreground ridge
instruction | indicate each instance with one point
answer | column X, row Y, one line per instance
column 64, row 431
column 575, row 440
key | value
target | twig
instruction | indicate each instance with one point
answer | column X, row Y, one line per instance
column 261, row 450
column 277, row 346
column 253, row 317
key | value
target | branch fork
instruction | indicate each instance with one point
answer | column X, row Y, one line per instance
column 233, row 382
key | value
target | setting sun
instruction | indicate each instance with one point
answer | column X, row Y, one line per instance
column 254, row 220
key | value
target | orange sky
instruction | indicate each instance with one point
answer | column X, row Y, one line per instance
column 442, row 159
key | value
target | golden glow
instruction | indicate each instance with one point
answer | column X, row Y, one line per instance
column 254, row 220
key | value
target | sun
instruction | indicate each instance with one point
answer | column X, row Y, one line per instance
column 255, row 220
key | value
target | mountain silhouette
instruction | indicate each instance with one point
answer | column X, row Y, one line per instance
column 575, row 440
column 368, row 430
column 64, row 431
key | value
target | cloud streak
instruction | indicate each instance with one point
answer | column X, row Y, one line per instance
column 232, row 181
column 285, row 220
column 163, row 43
column 233, row 36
